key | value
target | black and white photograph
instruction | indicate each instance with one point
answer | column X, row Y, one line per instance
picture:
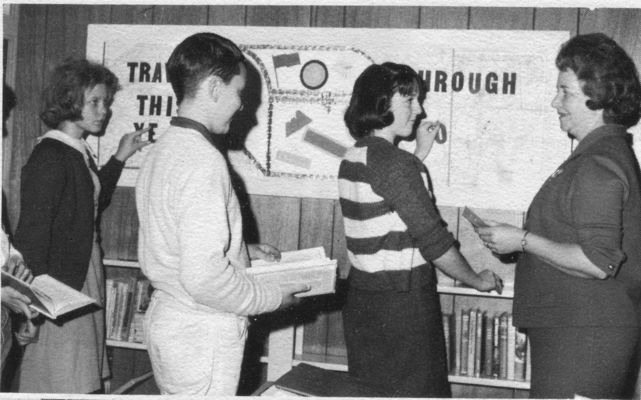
column 420, row 199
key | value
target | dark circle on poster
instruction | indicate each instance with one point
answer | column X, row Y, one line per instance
column 314, row 74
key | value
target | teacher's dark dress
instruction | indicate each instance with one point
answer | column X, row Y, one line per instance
column 584, row 331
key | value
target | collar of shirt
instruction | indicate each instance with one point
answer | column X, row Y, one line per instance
column 218, row 141
column 370, row 140
column 607, row 130
column 78, row 144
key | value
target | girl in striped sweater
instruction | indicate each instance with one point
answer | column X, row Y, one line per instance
column 395, row 237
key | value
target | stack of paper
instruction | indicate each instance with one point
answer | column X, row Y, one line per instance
column 308, row 266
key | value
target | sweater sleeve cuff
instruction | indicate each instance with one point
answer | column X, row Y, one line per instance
column 607, row 260
column 437, row 244
column 274, row 298
column 116, row 162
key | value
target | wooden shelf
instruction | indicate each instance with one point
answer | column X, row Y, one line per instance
column 126, row 345
column 469, row 380
column 109, row 262
column 508, row 293
column 335, row 363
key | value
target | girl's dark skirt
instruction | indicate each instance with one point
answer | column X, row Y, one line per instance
column 395, row 341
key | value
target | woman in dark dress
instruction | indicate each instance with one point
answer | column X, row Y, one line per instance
column 578, row 280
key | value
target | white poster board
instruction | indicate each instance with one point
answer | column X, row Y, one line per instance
column 491, row 91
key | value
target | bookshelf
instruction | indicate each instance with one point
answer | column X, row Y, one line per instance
column 286, row 344
column 339, row 363
column 123, row 306
column 130, row 364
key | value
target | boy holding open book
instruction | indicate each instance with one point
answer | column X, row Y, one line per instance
column 191, row 243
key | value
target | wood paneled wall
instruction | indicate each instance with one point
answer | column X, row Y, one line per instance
column 49, row 34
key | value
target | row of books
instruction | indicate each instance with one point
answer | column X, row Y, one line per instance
column 485, row 345
column 127, row 301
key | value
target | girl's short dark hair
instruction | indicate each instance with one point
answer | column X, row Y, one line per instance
column 198, row 57
column 369, row 107
column 610, row 78
column 64, row 97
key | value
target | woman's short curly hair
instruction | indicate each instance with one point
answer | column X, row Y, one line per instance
column 64, row 97
column 609, row 76
column 369, row 107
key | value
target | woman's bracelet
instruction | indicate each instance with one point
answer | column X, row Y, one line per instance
column 524, row 241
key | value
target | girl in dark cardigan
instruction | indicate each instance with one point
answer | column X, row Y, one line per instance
column 62, row 194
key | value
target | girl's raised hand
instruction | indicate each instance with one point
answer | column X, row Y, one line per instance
column 130, row 143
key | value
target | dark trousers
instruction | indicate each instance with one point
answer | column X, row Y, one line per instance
column 395, row 341
column 594, row 362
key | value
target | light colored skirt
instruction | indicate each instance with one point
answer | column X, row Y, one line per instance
column 71, row 357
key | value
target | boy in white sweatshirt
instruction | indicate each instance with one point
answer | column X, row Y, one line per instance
column 191, row 243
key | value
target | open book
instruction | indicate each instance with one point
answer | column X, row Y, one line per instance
column 309, row 266
column 48, row 296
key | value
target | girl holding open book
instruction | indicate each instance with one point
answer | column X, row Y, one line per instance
column 395, row 237
column 62, row 195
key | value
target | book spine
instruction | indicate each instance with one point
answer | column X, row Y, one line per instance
column 496, row 356
column 138, row 295
column 135, row 307
column 147, row 290
column 478, row 342
column 129, row 308
column 457, row 341
column 447, row 333
column 121, row 303
column 503, row 346
column 137, row 328
column 471, row 349
column 528, row 359
column 487, row 345
column 465, row 340
column 109, row 308
column 116, row 314
column 113, row 322
column 511, row 342
column 520, row 349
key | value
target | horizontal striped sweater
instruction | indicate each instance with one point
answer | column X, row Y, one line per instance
column 391, row 223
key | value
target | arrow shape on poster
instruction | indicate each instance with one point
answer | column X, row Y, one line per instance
column 299, row 121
